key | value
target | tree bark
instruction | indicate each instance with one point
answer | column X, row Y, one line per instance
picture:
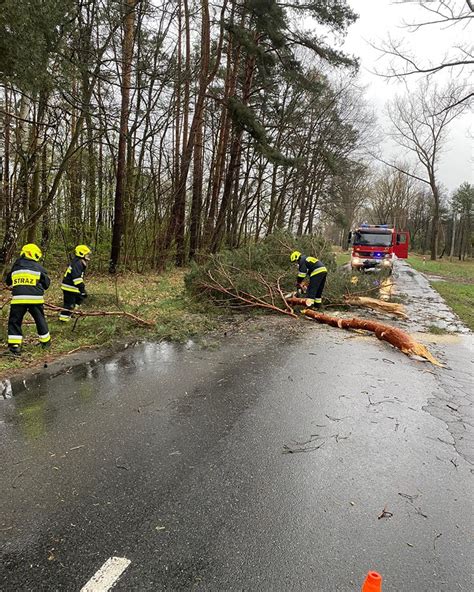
column 434, row 222
column 127, row 55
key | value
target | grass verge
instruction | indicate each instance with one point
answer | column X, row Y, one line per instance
column 460, row 297
column 160, row 298
column 457, row 287
column 342, row 257
column 457, row 270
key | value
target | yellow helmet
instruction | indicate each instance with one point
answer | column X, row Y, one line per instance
column 295, row 256
column 82, row 251
column 31, row 251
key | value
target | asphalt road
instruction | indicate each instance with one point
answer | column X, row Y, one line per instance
column 177, row 458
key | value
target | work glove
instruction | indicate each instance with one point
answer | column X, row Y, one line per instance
column 301, row 289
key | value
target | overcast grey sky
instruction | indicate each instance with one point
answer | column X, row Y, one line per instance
column 377, row 20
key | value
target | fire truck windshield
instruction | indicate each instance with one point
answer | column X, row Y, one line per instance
column 372, row 239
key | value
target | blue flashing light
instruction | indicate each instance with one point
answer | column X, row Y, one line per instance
column 378, row 254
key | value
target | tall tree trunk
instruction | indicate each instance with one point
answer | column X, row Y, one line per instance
column 178, row 213
column 453, row 237
column 196, row 202
column 234, row 157
column 91, row 187
column 188, row 146
column 5, row 189
column 45, row 228
column 74, row 174
column 34, row 200
column 225, row 125
column 127, row 55
column 434, row 222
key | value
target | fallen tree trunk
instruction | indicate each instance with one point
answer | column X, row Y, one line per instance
column 396, row 337
column 373, row 303
column 393, row 335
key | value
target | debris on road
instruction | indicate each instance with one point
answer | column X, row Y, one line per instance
column 393, row 335
column 291, row 450
column 394, row 308
column 120, row 464
column 385, row 514
column 409, row 497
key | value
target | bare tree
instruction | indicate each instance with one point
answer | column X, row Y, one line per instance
column 420, row 122
column 391, row 195
column 347, row 196
column 458, row 60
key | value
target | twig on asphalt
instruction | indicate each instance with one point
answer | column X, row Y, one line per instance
column 338, row 437
column 289, row 450
column 409, row 497
column 312, row 438
column 119, row 464
column 14, row 485
column 385, row 514
column 419, row 511
column 435, row 539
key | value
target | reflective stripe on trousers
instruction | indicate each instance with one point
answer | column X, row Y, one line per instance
column 319, row 270
column 67, row 288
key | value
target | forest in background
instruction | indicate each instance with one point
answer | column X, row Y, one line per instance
column 160, row 131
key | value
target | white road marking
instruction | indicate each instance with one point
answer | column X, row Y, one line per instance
column 107, row 575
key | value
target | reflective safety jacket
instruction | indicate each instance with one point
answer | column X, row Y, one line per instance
column 73, row 280
column 28, row 280
column 309, row 266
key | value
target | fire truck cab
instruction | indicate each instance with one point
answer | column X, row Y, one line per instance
column 377, row 246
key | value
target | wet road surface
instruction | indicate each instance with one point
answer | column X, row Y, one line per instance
column 178, row 459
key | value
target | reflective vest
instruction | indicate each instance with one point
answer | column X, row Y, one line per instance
column 73, row 280
column 28, row 280
column 310, row 266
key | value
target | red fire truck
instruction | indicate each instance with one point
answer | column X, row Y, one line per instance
column 377, row 246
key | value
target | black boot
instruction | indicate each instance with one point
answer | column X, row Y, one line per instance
column 46, row 345
column 15, row 350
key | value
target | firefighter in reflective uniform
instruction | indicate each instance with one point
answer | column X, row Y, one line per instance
column 74, row 290
column 28, row 280
column 317, row 272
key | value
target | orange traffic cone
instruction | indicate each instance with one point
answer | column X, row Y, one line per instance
column 373, row 582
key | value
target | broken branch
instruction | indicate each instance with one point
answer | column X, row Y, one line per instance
column 103, row 313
